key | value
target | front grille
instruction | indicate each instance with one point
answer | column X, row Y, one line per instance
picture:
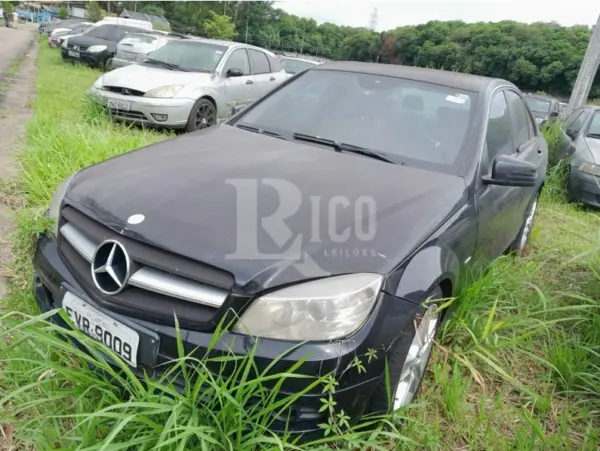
column 161, row 284
column 124, row 91
column 77, row 48
column 128, row 114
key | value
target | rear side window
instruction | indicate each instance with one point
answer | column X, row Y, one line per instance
column 578, row 122
column 258, row 62
column 499, row 129
column 572, row 118
column 275, row 64
column 520, row 118
column 595, row 126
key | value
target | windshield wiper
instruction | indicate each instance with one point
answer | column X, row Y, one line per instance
column 345, row 147
column 165, row 64
column 260, row 131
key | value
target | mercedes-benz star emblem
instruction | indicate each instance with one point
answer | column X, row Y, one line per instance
column 110, row 267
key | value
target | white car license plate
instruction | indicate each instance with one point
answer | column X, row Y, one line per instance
column 117, row 104
column 122, row 340
column 130, row 55
column 73, row 54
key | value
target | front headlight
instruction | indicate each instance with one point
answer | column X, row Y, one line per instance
column 98, row 83
column 96, row 48
column 64, row 43
column 325, row 309
column 54, row 209
column 590, row 168
column 164, row 91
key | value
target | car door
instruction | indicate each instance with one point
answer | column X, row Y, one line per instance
column 261, row 72
column 237, row 90
column 568, row 133
column 498, row 207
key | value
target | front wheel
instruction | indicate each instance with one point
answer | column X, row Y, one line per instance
column 408, row 363
column 203, row 115
column 520, row 242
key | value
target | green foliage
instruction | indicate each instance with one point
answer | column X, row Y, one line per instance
column 8, row 7
column 219, row 26
column 94, row 12
column 63, row 13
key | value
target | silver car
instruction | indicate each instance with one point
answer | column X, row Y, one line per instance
column 134, row 47
column 189, row 83
column 294, row 65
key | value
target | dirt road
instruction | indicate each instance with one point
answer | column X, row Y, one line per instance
column 17, row 46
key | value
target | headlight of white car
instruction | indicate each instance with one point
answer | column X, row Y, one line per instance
column 590, row 168
column 325, row 309
column 96, row 48
column 98, row 83
column 54, row 209
column 64, row 43
column 164, row 91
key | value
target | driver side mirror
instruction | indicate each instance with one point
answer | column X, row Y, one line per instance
column 234, row 72
column 508, row 170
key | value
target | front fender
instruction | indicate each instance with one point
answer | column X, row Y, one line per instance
column 199, row 92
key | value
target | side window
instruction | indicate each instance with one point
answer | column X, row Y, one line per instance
column 499, row 128
column 258, row 62
column 578, row 122
column 572, row 118
column 275, row 64
column 520, row 118
column 238, row 60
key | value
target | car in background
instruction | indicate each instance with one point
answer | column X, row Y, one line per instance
column 562, row 109
column 189, row 83
column 71, row 30
column 294, row 65
column 74, row 32
column 48, row 27
column 420, row 176
column 544, row 108
column 125, row 21
column 135, row 47
column 580, row 144
column 96, row 47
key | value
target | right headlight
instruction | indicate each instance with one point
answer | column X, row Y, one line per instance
column 54, row 209
column 325, row 309
column 64, row 43
column 164, row 92
column 98, row 83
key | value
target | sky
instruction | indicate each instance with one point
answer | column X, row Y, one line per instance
column 395, row 13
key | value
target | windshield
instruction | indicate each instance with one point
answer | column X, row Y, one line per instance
column 139, row 39
column 294, row 66
column 108, row 32
column 538, row 105
column 194, row 56
column 418, row 123
column 594, row 128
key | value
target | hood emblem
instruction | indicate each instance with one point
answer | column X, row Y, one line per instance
column 110, row 267
column 136, row 219
column 75, row 47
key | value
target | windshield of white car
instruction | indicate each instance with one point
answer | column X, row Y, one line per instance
column 418, row 123
column 594, row 128
column 292, row 66
column 138, row 39
column 538, row 105
column 191, row 56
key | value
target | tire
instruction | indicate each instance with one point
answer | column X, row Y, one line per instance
column 108, row 65
column 203, row 115
column 520, row 243
column 397, row 364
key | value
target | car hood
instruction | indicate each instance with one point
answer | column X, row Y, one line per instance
column 593, row 145
column 145, row 77
column 85, row 40
column 266, row 210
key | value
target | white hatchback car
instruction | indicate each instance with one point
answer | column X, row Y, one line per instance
column 189, row 83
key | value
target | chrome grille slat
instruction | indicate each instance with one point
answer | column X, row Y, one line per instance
column 151, row 279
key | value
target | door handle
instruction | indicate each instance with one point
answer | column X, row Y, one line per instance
column 272, row 78
column 249, row 82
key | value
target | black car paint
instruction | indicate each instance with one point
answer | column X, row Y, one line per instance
column 452, row 225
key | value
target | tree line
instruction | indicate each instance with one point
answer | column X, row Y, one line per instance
column 536, row 57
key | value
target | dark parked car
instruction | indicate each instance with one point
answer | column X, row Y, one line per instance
column 544, row 108
column 97, row 46
column 379, row 186
column 580, row 142
column 48, row 27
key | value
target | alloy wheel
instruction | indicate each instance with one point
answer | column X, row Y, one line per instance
column 417, row 358
column 205, row 117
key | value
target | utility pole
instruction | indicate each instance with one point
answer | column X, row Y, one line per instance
column 587, row 72
column 247, row 18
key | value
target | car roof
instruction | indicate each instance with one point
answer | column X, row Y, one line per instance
column 458, row 80
column 298, row 59
column 226, row 43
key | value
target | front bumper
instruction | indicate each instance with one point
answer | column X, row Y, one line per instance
column 158, row 346
column 143, row 108
column 584, row 188
column 92, row 59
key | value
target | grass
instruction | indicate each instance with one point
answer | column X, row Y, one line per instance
column 517, row 366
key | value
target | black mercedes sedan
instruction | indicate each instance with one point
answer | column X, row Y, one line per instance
column 97, row 46
column 328, row 217
column 580, row 143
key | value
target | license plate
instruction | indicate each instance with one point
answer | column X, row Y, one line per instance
column 130, row 55
column 73, row 54
column 119, row 338
column 117, row 104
